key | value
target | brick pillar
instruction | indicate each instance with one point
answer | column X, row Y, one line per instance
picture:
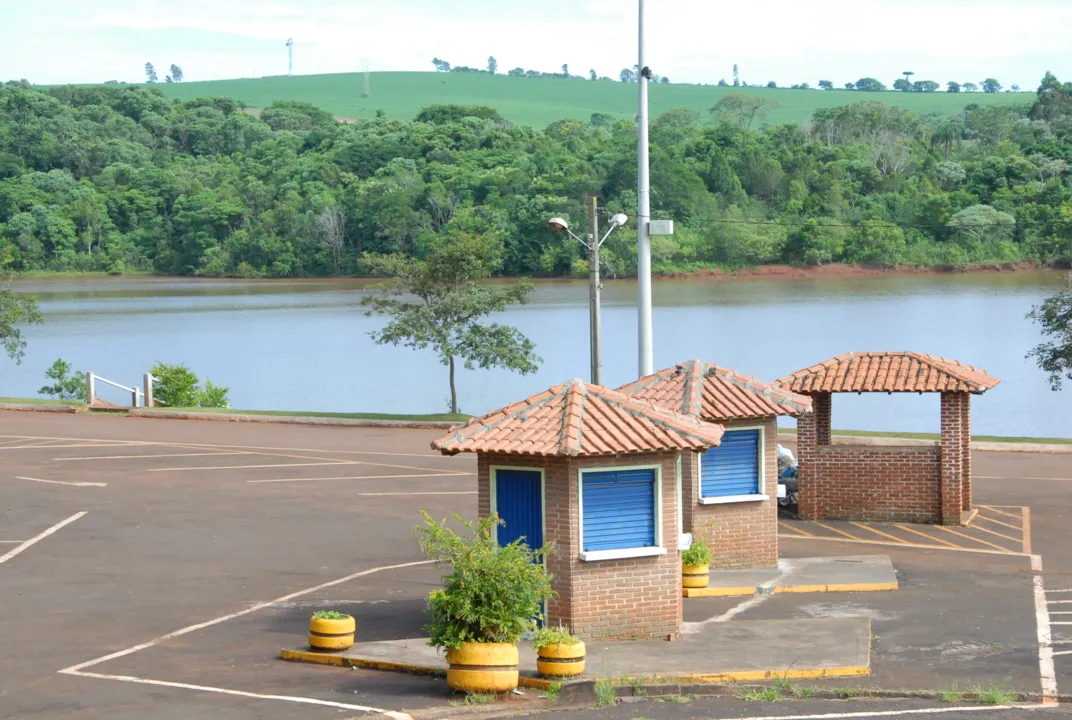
column 821, row 408
column 952, row 458
column 690, row 490
column 807, row 437
column 966, row 459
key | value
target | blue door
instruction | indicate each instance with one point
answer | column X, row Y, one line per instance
column 731, row 468
column 519, row 502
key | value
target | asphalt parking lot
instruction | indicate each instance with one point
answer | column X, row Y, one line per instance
column 154, row 568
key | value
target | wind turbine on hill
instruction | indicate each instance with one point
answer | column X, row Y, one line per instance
column 290, row 56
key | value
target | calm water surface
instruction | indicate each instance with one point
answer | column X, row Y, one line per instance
column 303, row 345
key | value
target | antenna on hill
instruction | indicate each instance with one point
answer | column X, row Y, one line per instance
column 365, row 65
column 290, row 56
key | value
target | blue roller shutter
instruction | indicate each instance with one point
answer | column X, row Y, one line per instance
column 732, row 468
column 618, row 509
column 519, row 502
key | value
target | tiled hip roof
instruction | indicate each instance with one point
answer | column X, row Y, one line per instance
column 889, row 372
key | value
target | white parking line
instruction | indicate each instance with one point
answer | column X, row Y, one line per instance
column 34, row 540
column 465, row 492
column 1064, row 652
column 356, row 477
column 77, row 670
column 168, row 455
column 247, row 467
column 64, row 482
column 896, row 713
column 1047, row 673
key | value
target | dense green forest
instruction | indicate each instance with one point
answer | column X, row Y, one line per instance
column 120, row 179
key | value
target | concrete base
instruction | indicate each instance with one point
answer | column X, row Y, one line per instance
column 853, row 573
column 712, row 652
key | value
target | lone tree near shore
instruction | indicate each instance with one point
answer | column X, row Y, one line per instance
column 1055, row 355
column 451, row 301
column 15, row 309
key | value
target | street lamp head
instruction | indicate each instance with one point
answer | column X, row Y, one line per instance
column 558, row 224
column 619, row 220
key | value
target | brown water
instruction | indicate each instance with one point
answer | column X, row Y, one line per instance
column 303, row 345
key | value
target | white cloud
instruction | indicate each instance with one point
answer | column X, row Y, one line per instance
column 688, row 40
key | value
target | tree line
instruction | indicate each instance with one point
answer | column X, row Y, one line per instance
column 121, row 179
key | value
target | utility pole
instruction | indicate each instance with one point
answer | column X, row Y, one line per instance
column 593, row 291
column 644, row 335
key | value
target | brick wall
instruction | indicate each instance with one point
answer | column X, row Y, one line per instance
column 745, row 535
column 867, row 482
column 608, row 599
column 952, row 452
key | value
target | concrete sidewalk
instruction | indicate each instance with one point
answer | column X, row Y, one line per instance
column 852, row 573
column 712, row 652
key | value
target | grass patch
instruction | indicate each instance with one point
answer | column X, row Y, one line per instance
column 935, row 436
column 433, row 417
column 682, row 698
column 783, row 684
column 994, row 694
column 952, row 695
column 638, row 687
column 39, row 401
column 770, row 694
column 804, row 692
column 846, row 693
column 479, row 698
column 553, row 693
column 606, row 693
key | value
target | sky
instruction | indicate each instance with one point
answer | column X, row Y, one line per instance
column 696, row 41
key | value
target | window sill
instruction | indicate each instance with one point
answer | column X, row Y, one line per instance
column 732, row 499
column 622, row 554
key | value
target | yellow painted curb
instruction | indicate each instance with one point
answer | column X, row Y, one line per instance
column 718, row 592
column 306, row 656
column 849, row 587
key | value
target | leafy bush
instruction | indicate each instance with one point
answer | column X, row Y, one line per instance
column 330, row 615
column 697, row 554
column 553, row 636
column 68, row 383
column 177, row 386
column 493, row 593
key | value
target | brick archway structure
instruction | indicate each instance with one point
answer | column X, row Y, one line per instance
column 928, row 484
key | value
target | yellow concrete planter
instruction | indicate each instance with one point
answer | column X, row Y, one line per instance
column 695, row 576
column 327, row 634
column 483, row 667
column 560, row 660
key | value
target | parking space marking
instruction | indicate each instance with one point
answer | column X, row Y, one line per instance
column 1006, row 477
column 77, row 670
column 445, row 492
column 969, row 537
column 879, row 532
column 925, row 535
column 245, row 467
column 129, row 457
column 822, row 525
column 897, row 713
column 1047, row 672
column 64, row 482
column 999, row 511
column 354, row 477
column 39, row 537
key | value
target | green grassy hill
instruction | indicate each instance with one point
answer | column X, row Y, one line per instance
column 539, row 101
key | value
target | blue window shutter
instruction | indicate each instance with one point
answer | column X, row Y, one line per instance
column 732, row 468
column 619, row 509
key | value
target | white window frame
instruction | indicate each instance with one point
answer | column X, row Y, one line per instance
column 761, row 463
column 493, row 482
column 621, row 553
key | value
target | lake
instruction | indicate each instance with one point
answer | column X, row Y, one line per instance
column 303, row 345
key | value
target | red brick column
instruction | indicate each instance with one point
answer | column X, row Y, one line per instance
column 952, row 458
column 965, row 425
column 808, row 433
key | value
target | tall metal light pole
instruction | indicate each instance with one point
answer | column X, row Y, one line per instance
column 593, row 242
column 644, row 341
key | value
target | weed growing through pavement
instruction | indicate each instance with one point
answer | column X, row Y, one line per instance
column 994, row 694
column 952, row 695
column 479, row 698
column 760, row 695
column 783, row 684
column 683, row 698
column 553, row 692
column 606, row 694
column 805, row 692
column 638, row 687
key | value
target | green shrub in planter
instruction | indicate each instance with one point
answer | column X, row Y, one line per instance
column 697, row 554
column 492, row 594
column 553, row 636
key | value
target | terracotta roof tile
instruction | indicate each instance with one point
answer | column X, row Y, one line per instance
column 714, row 393
column 889, row 372
column 577, row 418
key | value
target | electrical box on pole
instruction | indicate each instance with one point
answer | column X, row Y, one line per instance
column 661, row 227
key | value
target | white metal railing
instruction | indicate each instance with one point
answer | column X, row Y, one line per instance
column 135, row 393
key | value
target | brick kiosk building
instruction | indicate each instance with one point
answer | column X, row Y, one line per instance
column 730, row 492
column 596, row 473
column 929, row 484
